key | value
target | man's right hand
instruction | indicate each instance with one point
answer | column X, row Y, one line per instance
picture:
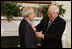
column 39, row 35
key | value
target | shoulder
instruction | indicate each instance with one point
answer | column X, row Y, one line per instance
column 61, row 20
column 23, row 22
column 45, row 18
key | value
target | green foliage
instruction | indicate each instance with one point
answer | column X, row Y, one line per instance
column 62, row 11
column 45, row 8
column 9, row 10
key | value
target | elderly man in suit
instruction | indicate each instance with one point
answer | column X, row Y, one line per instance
column 52, row 27
column 26, row 30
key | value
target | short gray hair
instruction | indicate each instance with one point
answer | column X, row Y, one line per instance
column 26, row 11
column 55, row 8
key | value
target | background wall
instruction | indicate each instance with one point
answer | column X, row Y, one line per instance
column 67, row 6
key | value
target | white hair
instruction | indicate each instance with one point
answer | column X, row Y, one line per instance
column 26, row 11
column 55, row 8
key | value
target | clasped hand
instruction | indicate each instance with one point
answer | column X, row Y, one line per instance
column 39, row 35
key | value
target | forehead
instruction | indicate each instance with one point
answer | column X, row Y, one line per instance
column 50, row 10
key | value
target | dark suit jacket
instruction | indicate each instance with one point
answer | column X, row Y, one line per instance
column 27, row 35
column 52, row 37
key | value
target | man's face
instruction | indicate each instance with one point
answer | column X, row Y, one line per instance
column 31, row 16
column 51, row 13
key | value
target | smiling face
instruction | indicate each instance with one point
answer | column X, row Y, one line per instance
column 51, row 12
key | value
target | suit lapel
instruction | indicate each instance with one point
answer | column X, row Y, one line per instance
column 46, row 24
column 53, row 24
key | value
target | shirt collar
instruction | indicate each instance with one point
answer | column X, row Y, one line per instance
column 54, row 18
column 27, row 20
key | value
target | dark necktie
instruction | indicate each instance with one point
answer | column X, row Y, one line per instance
column 49, row 23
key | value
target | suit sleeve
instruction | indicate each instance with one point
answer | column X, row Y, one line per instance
column 58, row 33
column 25, row 36
column 39, row 26
column 28, row 37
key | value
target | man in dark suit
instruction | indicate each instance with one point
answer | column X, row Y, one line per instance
column 52, row 27
column 26, row 30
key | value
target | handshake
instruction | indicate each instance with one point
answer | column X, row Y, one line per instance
column 38, row 34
